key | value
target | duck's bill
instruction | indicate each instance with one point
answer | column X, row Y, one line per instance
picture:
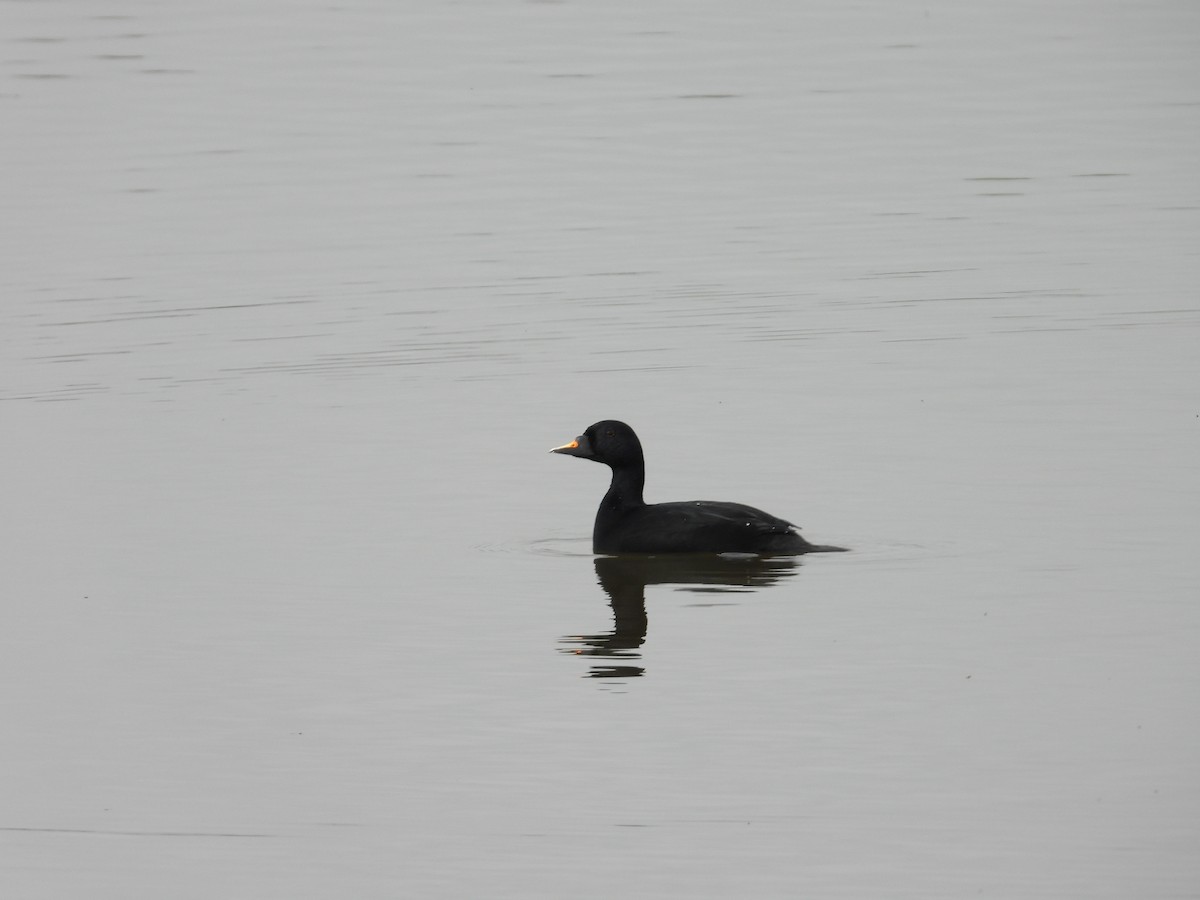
column 577, row 447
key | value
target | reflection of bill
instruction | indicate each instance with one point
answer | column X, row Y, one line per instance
column 624, row 580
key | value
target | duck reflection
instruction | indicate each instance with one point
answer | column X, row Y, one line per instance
column 624, row 580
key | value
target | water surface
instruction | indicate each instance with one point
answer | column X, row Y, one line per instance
column 296, row 299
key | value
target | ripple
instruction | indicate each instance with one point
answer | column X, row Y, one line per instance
column 560, row 547
column 885, row 550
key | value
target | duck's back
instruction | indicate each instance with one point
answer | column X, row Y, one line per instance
column 696, row 526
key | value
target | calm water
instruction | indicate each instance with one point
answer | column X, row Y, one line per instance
column 294, row 298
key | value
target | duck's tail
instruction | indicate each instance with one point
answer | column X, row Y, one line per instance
column 825, row 548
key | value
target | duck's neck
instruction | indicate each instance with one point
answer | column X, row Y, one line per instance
column 625, row 492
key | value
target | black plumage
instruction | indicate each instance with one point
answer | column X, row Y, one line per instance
column 625, row 523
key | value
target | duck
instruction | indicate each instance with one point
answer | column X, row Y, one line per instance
column 627, row 524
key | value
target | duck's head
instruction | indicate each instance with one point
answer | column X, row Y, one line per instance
column 610, row 442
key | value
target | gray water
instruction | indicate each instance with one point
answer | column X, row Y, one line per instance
column 296, row 297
